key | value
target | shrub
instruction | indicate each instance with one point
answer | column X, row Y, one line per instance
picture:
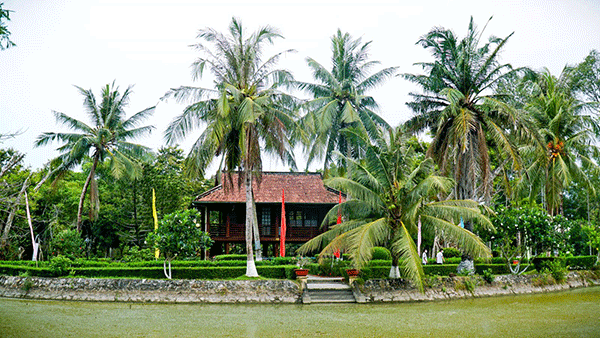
column 581, row 262
column 381, row 253
column 60, row 265
column 543, row 263
column 68, row 243
column 466, row 283
column 451, row 252
column 135, row 254
column 230, row 257
column 332, row 267
column 488, row 276
column 557, row 270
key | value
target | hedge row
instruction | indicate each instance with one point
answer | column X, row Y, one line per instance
column 436, row 269
column 581, row 262
column 276, row 272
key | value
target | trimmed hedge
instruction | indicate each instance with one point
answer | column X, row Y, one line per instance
column 230, row 257
column 439, row 269
column 381, row 253
column 451, row 252
column 581, row 262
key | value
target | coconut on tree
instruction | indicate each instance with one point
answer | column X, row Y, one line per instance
column 108, row 137
column 392, row 189
column 565, row 144
column 245, row 116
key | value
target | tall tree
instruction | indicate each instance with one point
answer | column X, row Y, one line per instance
column 567, row 137
column 4, row 32
column 339, row 99
column 458, row 107
column 586, row 78
column 392, row 190
column 245, row 116
column 108, row 137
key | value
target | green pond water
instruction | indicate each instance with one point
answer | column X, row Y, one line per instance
column 573, row 313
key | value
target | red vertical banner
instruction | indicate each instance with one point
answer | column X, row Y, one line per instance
column 283, row 228
column 339, row 220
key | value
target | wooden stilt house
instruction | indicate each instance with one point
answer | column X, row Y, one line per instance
column 307, row 201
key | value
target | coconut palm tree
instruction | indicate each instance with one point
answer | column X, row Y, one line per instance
column 339, row 99
column 566, row 141
column 392, row 190
column 107, row 138
column 245, row 116
column 458, row 106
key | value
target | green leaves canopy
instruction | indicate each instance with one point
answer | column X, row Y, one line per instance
column 458, row 108
column 179, row 234
column 339, row 100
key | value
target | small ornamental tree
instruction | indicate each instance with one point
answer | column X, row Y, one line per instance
column 179, row 234
column 593, row 233
column 68, row 243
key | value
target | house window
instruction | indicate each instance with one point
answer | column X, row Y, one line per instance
column 265, row 221
column 310, row 219
column 295, row 217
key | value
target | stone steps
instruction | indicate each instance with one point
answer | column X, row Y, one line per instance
column 327, row 290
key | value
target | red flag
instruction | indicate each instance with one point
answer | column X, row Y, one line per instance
column 282, row 234
column 339, row 220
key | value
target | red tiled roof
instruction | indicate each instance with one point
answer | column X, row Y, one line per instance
column 299, row 188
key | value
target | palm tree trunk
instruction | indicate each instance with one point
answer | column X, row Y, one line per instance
column 465, row 189
column 250, row 266
column 255, row 231
column 84, row 190
column 394, row 270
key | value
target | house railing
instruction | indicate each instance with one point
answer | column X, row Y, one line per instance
column 237, row 231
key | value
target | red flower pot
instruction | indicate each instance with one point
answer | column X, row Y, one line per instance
column 352, row 272
column 301, row 272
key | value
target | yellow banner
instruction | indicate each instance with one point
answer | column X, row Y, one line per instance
column 156, row 251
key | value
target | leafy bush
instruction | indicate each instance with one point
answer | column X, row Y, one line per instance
column 230, row 257
column 543, row 263
column 332, row 267
column 381, row 253
column 135, row 254
column 581, row 262
column 557, row 270
column 68, row 243
column 488, row 276
column 451, row 252
column 60, row 265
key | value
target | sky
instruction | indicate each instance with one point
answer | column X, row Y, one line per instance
column 145, row 43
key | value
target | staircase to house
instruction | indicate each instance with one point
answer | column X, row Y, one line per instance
column 327, row 290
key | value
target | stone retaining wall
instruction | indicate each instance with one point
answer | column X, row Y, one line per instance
column 273, row 291
column 146, row 290
column 442, row 288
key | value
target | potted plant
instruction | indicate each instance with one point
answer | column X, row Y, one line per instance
column 302, row 263
column 352, row 270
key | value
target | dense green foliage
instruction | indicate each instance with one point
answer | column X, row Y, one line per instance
column 179, row 234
